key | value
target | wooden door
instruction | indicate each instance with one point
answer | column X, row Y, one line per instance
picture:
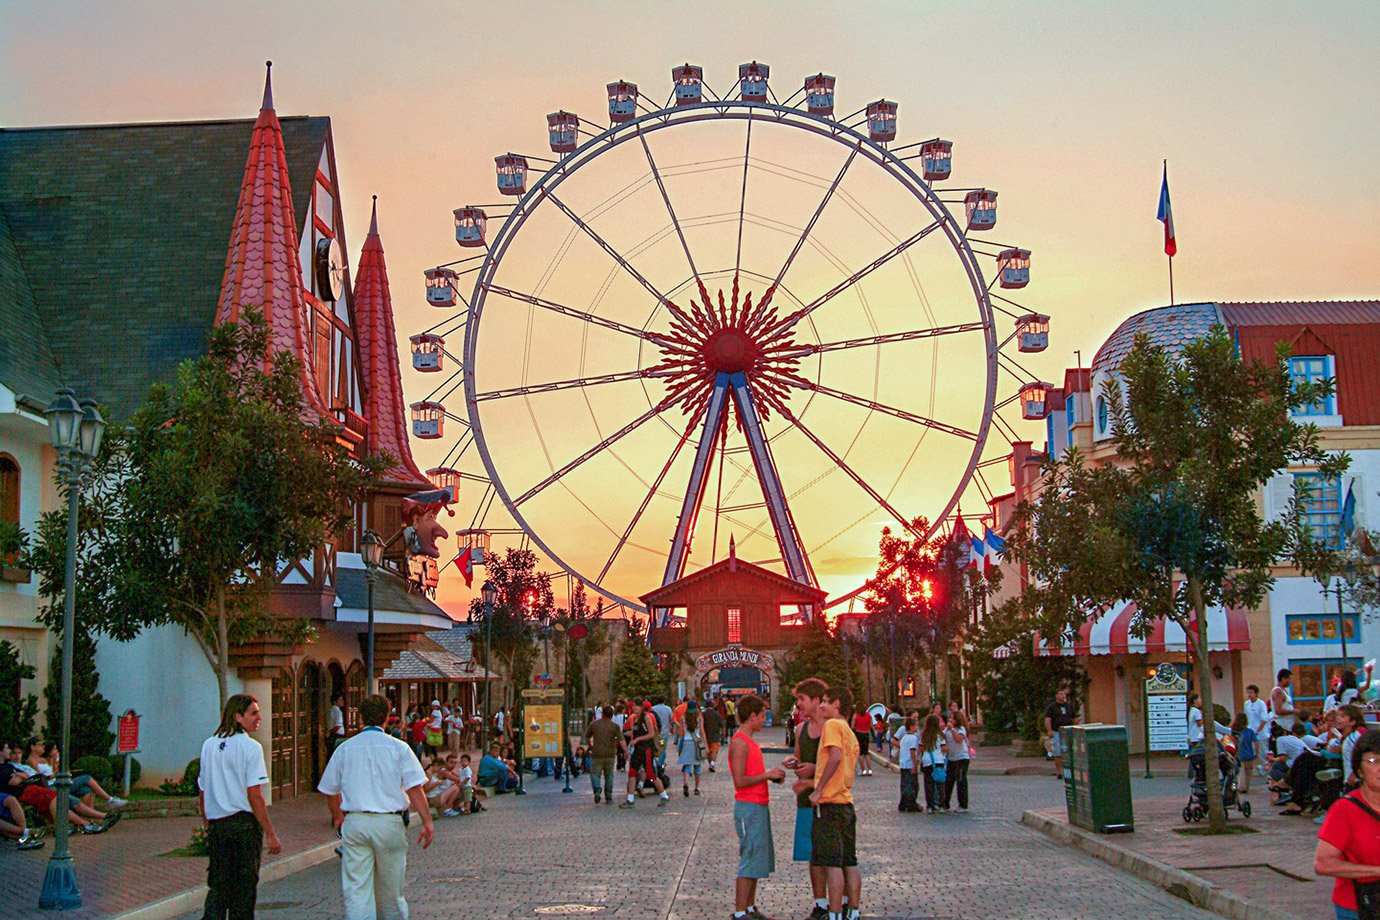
column 281, row 772
column 311, row 726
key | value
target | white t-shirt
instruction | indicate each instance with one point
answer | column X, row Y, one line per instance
column 466, row 776
column 958, row 743
column 437, row 719
column 910, row 743
column 1195, row 725
column 1290, row 747
column 229, row 767
column 1348, row 743
column 498, row 721
column 1285, row 722
column 1312, row 742
column 935, row 756
column 457, row 720
column 337, row 721
column 663, row 715
column 1257, row 715
column 370, row 771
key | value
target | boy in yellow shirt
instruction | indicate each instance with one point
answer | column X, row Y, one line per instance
column 835, row 833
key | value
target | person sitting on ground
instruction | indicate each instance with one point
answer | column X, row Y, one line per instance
column 494, row 772
column 83, row 786
column 19, row 779
column 15, row 824
column 441, row 792
column 1348, row 845
column 1301, row 779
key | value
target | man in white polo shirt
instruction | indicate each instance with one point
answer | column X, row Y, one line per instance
column 232, row 806
column 370, row 782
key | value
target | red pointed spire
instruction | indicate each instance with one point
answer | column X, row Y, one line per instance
column 262, row 267
column 378, row 359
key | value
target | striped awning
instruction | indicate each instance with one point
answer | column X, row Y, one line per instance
column 1229, row 630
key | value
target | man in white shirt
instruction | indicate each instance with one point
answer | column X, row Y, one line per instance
column 1255, row 734
column 1282, row 700
column 369, row 785
column 233, row 810
column 335, row 724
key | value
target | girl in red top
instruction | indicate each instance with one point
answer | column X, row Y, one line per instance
column 862, row 728
column 1349, row 842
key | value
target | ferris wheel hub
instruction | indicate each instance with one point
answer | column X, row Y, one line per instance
column 730, row 351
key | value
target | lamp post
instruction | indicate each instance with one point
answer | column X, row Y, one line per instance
column 371, row 548
column 76, row 431
column 490, row 595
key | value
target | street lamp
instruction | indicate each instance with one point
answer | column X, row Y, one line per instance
column 76, row 431
column 490, row 595
column 371, row 548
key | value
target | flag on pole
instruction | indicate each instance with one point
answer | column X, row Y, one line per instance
column 469, row 557
column 994, row 548
column 1166, row 215
column 976, row 553
column 1347, row 523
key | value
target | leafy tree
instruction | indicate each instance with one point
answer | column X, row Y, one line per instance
column 524, row 597
column 635, row 673
column 1015, row 690
column 1173, row 525
column 579, row 652
column 820, row 654
column 215, row 482
column 17, row 713
column 91, row 734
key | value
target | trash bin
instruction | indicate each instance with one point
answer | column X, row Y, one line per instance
column 1097, row 778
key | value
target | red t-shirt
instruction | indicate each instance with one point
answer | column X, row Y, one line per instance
column 862, row 722
column 754, row 767
column 419, row 731
column 1357, row 835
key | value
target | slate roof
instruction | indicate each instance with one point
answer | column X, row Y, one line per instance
column 1169, row 327
column 1302, row 312
column 390, row 593
column 455, row 640
column 427, row 664
column 113, row 245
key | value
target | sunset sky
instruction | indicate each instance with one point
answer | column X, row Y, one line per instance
column 1268, row 113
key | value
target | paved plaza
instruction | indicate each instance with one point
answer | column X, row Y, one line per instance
column 549, row 854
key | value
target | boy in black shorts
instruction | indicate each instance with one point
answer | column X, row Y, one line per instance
column 835, row 833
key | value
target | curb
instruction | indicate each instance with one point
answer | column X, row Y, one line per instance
column 1178, row 882
column 194, row 899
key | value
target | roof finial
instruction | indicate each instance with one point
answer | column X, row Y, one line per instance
column 268, row 86
column 374, row 218
column 732, row 554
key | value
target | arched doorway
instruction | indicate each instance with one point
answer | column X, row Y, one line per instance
column 311, row 725
column 281, row 771
column 735, row 671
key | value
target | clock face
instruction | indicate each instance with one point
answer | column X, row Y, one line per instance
column 329, row 269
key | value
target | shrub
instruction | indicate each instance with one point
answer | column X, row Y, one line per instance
column 187, row 784
column 98, row 768
column 117, row 769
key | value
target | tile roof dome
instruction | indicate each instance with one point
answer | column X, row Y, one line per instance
column 1169, row 327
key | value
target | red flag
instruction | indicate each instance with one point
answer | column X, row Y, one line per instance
column 1166, row 215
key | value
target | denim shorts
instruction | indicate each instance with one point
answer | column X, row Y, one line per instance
column 804, row 827
column 756, row 854
column 1345, row 913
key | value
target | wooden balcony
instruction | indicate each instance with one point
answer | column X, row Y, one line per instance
column 669, row 641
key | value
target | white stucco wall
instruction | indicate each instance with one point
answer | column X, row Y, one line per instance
column 163, row 676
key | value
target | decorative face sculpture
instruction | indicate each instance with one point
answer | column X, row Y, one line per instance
column 423, row 532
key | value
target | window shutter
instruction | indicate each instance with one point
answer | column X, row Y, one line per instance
column 1278, row 491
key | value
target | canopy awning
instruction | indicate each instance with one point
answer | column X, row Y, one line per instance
column 1229, row 630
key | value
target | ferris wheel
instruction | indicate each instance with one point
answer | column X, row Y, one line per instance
column 725, row 318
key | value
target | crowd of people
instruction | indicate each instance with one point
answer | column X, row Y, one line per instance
column 28, row 771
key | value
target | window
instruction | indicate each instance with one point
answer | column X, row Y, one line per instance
column 1311, row 677
column 1313, row 369
column 1321, row 507
column 1070, row 416
column 1103, row 413
column 1320, row 627
column 735, row 625
column 1050, row 444
column 9, row 490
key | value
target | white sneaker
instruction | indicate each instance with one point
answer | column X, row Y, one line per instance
column 117, row 802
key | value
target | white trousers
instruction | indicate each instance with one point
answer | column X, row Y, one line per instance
column 372, row 866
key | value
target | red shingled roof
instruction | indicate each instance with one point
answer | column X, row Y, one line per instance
column 262, row 267
column 378, row 359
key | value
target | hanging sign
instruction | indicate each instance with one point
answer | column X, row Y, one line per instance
column 735, row 656
column 1166, row 711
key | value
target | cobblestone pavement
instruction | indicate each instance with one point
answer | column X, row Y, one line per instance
column 549, row 854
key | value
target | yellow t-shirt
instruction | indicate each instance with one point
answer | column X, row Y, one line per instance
column 839, row 789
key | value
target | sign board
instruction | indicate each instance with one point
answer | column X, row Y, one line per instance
column 537, row 696
column 542, row 681
column 1166, row 710
column 544, row 733
column 735, row 656
column 127, row 741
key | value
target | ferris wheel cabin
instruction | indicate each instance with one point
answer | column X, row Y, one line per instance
column 982, row 209
column 622, row 101
column 512, row 174
column 1014, row 265
column 881, row 120
column 428, row 420
column 936, row 157
column 440, row 286
column 564, row 128
column 428, row 352
column 444, row 477
column 819, row 94
column 1032, row 332
column 1034, row 397
column 469, row 226
column 689, row 84
column 752, row 81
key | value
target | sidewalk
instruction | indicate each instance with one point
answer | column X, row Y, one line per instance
column 999, row 761
column 1267, row 875
column 122, row 870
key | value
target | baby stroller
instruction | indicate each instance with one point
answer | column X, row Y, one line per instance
column 1197, row 787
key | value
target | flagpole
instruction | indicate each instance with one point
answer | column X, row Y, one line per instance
column 1171, row 281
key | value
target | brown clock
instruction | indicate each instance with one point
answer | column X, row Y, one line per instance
column 329, row 268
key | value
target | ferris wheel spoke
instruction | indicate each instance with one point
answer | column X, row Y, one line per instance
column 742, row 199
column 576, row 313
column 814, row 219
column 848, row 470
column 893, row 411
column 647, row 499
column 884, row 339
column 675, row 221
column 573, row 383
column 617, row 257
column 602, row 445
column 794, row 318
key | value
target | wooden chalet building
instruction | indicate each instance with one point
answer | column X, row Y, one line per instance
column 120, row 247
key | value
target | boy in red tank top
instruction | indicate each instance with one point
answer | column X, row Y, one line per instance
column 751, row 813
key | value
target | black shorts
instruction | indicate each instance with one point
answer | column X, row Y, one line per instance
column 863, row 738
column 834, row 837
column 643, row 760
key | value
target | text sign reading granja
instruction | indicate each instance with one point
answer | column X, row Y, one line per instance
column 735, row 657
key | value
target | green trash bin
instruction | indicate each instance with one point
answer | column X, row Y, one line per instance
column 1097, row 778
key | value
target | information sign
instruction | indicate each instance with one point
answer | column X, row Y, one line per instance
column 128, row 736
column 1166, row 693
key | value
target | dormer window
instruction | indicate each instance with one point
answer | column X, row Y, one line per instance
column 1314, row 369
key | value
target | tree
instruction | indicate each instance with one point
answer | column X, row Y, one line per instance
column 524, row 596
column 1173, row 525
column 820, row 654
column 91, row 718
column 1014, row 689
column 17, row 712
column 215, row 482
column 635, row 674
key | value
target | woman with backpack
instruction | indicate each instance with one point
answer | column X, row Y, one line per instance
column 933, row 762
